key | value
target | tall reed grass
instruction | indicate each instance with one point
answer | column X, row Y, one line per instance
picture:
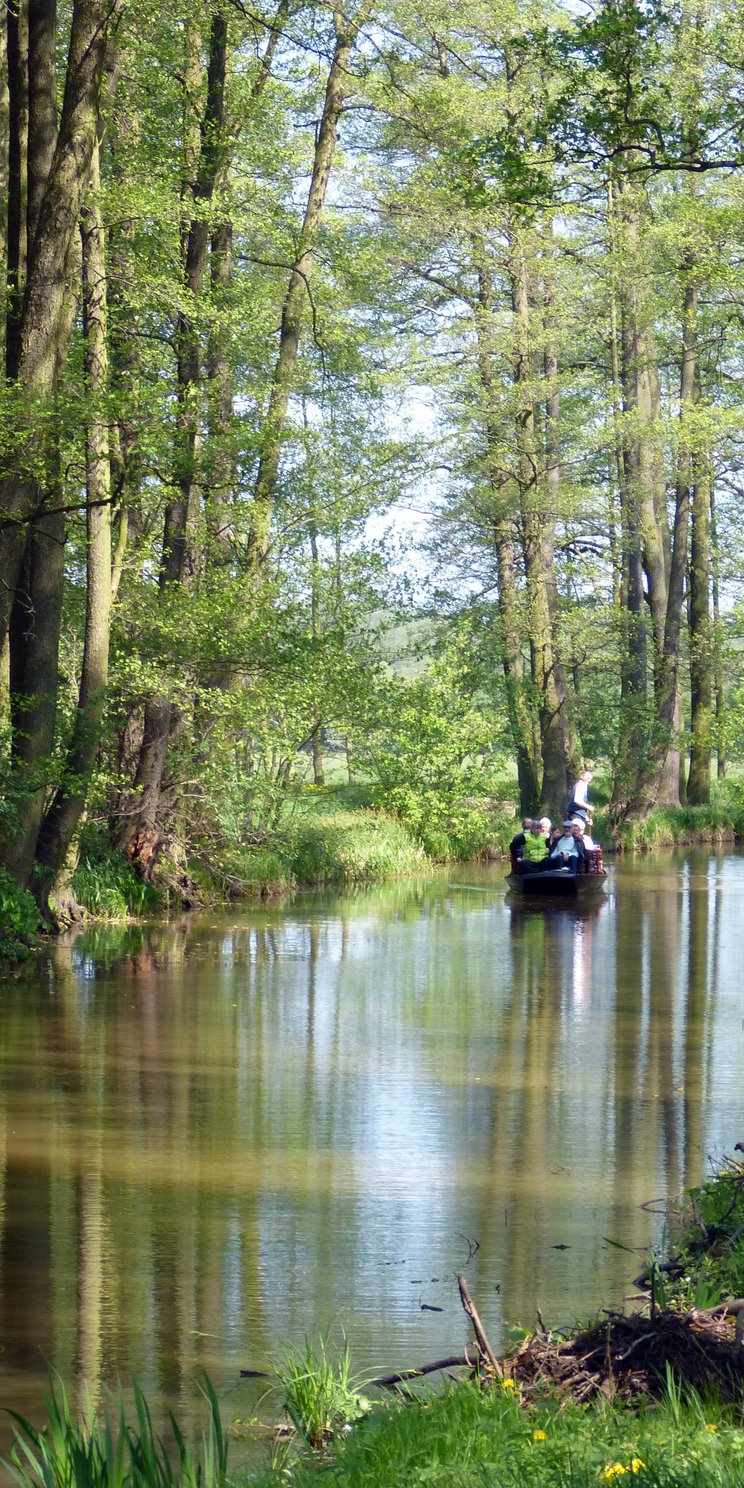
column 106, row 1452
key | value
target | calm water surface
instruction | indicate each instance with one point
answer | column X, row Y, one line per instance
column 220, row 1135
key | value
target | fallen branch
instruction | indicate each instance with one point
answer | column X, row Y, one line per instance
column 388, row 1380
column 484, row 1347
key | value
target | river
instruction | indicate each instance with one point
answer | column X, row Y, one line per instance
column 224, row 1133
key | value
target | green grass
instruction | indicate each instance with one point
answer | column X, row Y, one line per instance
column 709, row 1254
column 106, row 885
column 472, row 1438
column 353, row 847
column 320, row 1394
column 679, row 827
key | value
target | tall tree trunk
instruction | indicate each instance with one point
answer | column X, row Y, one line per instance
column 139, row 830
column 316, row 735
column 571, row 743
column 65, row 812
column 45, row 320
column 720, row 699
column 293, row 308
column 502, row 527
column 17, row 55
column 651, row 775
column 701, row 649
column 538, row 526
column 624, row 229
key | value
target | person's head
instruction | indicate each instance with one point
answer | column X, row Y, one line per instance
column 545, row 823
column 526, row 823
column 536, row 827
column 586, row 775
column 578, row 829
column 568, row 824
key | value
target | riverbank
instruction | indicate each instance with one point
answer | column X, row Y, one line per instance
column 658, row 1416
column 655, row 1394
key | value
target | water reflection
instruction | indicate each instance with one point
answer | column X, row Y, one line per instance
column 224, row 1133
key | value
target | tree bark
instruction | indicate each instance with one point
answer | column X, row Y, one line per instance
column 17, row 55
column 538, row 526
column 138, row 834
column 650, row 777
column 44, row 325
column 701, row 649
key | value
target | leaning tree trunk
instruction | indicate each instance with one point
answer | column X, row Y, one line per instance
column 45, row 320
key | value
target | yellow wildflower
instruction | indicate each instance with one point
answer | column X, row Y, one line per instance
column 613, row 1470
column 538, row 1435
column 637, row 1464
column 711, row 1427
column 508, row 1384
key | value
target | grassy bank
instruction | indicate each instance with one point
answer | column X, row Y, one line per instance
column 684, row 826
column 465, row 1436
column 650, row 1426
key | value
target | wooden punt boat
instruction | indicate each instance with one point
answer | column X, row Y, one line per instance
column 558, row 883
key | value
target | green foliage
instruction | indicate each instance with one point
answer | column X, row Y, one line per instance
column 676, row 826
column 353, row 848
column 430, row 745
column 107, row 1452
column 104, row 882
column 709, row 1262
column 320, row 1393
column 19, row 920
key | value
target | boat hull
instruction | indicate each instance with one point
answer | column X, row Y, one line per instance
column 558, row 884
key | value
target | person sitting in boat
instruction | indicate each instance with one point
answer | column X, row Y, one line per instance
column 584, row 823
column 595, row 863
column 580, row 793
column 569, row 851
column 516, row 846
column 535, row 854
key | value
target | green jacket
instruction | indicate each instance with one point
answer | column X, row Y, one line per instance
column 535, row 848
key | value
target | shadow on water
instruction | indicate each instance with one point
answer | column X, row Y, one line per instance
column 226, row 1132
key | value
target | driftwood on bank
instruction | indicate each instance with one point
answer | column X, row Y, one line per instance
column 628, row 1356
column 622, row 1355
column 487, row 1354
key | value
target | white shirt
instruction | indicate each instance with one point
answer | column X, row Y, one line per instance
column 580, row 792
column 567, row 845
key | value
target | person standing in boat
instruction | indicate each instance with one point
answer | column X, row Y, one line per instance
column 579, row 795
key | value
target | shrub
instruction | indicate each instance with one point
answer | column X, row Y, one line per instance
column 19, row 919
